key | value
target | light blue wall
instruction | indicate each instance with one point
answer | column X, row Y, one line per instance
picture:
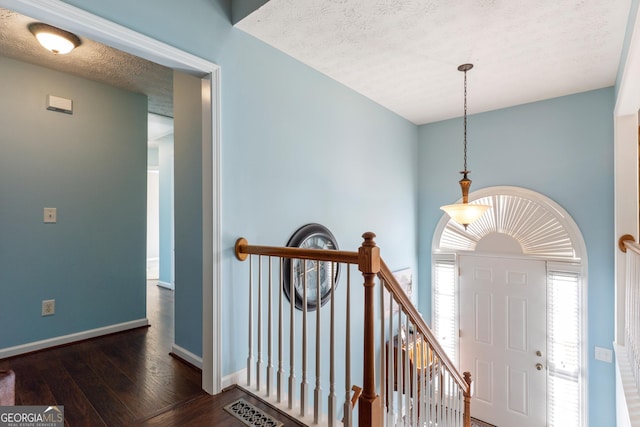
column 165, row 160
column 188, row 236
column 91, row 166
column 297, row 147
column 562, row 148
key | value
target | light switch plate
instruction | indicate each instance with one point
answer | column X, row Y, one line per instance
column 50, row 215
column 604, row 354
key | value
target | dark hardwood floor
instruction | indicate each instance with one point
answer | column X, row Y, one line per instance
column 125, row 379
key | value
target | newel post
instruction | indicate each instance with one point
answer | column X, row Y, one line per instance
column 467, row 400
column 369, row 404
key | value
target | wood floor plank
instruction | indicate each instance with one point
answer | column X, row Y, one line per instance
column 78, row 409
column 104, row 400
column 127, row 378
column 31, row 388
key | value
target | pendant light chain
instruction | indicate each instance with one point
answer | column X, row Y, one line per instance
column 465, row 121
column 465, row 213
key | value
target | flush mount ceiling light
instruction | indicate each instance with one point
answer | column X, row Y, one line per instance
column 465, row 213
column 54, row 39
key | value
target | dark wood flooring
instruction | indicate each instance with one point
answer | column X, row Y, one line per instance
column 125, row 379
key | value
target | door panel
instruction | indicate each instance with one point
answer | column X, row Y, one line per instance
column 516, row 324
column 503, row 324
column 484, row 323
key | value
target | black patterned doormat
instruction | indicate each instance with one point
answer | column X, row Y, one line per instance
column 250, row 415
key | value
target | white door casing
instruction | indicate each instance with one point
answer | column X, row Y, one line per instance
column 503, row 338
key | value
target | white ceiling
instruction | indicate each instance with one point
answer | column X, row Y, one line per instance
column 404, row 54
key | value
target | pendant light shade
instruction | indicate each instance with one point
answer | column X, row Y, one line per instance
column 465, row 213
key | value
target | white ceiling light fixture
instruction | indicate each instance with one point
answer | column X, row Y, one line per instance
column 54, row 39
column 465, row 213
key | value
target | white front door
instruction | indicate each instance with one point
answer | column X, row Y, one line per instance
column 503, row 338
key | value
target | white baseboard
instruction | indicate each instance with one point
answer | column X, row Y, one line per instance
column 187, row 356
column 239, row 377
column 66, row 339
column 165, row 284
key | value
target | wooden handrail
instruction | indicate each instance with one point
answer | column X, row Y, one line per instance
column 408, row 307
column 627, row 242
column 243, row 249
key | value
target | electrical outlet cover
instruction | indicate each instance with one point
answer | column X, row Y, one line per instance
column 48, row 307
column 50, row 215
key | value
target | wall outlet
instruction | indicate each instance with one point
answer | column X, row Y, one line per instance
column 50, row 215
column 48, row 307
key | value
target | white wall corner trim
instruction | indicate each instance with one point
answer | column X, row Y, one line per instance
column 67, row 339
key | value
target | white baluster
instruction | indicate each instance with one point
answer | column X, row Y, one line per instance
column 399, row 363
column 449, row 399
column 383, row 342
column 422, row 378
column 270, row 368
column 406, row 380
column 434, row 391
column 331, row 402
column 411, row 375
column 281, row 374
column 292, row 335
column 250, row 349
column 347, row 420
column 392, row 362
column 259, row 355
column 317, row 395
column 304, row 385
column 429, row 382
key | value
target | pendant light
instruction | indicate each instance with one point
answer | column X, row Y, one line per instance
column 465, row 213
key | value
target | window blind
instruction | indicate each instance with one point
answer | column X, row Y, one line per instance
column 564, row 348
column 445, row 307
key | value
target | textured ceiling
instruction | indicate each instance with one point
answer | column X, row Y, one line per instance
column 92, row 61
column 404, row 54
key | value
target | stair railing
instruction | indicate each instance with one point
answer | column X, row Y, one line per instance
column 631, row 249
column 417, row 383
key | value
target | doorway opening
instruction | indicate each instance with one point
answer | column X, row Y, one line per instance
column 160, row 212
column 480, row 276
column 108, row 33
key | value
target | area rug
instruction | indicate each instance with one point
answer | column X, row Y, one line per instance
column 250, row 415
column 478, row 423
